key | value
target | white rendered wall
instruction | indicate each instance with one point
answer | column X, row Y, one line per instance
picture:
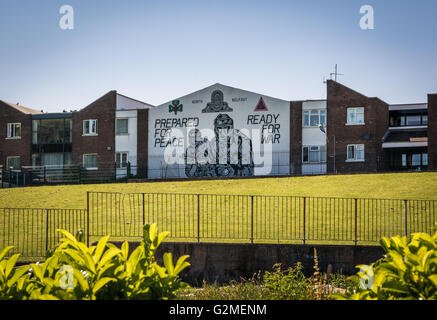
column 313, row 137
column 245, row 119
column 127, row 142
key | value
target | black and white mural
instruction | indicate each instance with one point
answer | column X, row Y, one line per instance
column 219, row 131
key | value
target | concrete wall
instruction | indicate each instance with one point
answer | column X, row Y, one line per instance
column 225, row 262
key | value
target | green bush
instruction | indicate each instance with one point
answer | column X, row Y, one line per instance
column 74, row 271
column 408, row 271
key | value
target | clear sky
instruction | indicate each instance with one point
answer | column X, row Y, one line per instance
column 158, row 50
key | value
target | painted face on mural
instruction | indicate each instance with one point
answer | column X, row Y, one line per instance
column 223, row 122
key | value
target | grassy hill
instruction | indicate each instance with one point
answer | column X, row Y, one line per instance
column 385, row 186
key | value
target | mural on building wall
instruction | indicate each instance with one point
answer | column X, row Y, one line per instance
column 228, row 154
column 255, row 139
column 217, row 103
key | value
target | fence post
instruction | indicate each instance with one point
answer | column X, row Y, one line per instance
column 47, row 230
column 128, row 171
column 406, row 217
column 251, row 219
column 356, row 222
column 198, row 219
column 304, row 209
column 88, row 218
column 45, row 179
column 144, row 211
column 80, row 174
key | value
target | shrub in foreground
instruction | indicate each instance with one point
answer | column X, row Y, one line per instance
column 74, row 271
column 407, row 271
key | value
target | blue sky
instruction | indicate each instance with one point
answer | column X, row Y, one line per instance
column 158, row 50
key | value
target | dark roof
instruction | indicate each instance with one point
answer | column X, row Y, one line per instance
column 21, row 108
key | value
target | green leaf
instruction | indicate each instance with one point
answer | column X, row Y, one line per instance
column 433, row 279
column 108, row 255
column 100, row 248
column 102, row 282
column 81, row 280
column 11, row 264
column 47, row 297
column 5, row 251
column 68, row 235
column 125, row 250
column 181, row 264
column 168, row 263
column 17, row 275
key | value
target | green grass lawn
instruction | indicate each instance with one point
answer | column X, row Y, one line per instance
column 381, row 186
column 224, row 219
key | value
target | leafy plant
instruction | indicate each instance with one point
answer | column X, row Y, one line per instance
column 407, row 271
column 75, row 271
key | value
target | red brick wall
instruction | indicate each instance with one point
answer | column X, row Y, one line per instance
column 432, row 131
column 376, row 124
column 296, row 137
column 15, row 147
column 103, row 110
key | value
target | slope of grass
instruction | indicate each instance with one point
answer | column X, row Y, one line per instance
column 225, row 218
column 384, row 186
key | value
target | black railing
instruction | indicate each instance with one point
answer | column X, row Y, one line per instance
column 112, row 172
column 219, row 218
column 261, row 219
column 32, row 232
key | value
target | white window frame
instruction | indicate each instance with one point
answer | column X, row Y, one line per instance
column 84, row 133
column 12, row 157
column 355, row 146
column 116, row 127
column 11, row 130
column 319, row 151
column 119, row 165
column 355, row 110
column 319, row 111
column 83, row 161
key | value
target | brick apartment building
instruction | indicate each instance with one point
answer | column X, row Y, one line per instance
column 347, row 132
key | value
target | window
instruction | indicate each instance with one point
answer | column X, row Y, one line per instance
column 14, row 131
column 89, row 127
column 355, row 116
column 413, row 120
column 121, row 159
column 314, row 118
column 51, row 131
column 121, row 126
column 13, row 163
column 355, row 152
column 404, row 160
column 416, row 160
column 90, row 161
column 424, row 159
column 424, row 119
column 313, row 154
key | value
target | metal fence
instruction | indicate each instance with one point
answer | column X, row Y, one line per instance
column 218, row 218
column 32, row 232
column 112, row 172
column 259, row 219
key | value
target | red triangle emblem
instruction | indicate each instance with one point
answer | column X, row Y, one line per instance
column 261, row 106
